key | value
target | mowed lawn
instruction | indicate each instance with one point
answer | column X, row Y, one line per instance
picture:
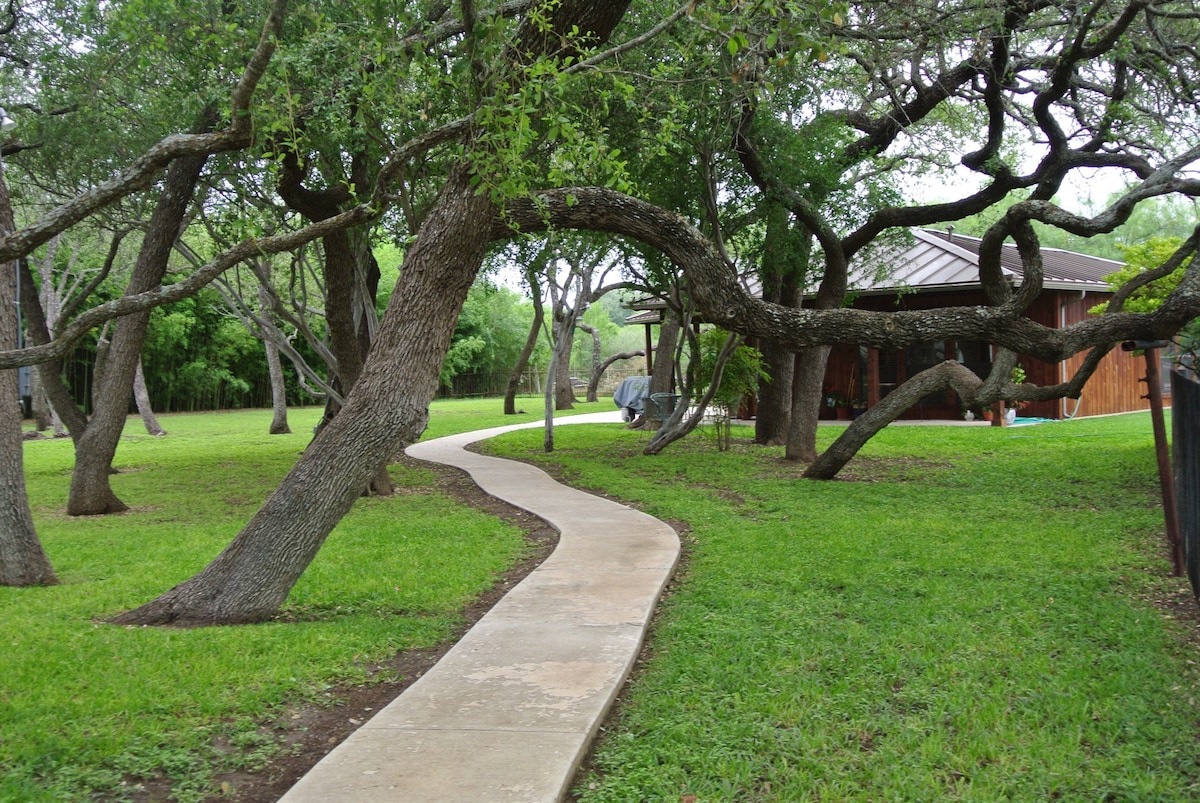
column 968, row 614
column 87, row 709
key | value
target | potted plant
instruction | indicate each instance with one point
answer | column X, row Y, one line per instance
column 1011, row 406
column 839, row 404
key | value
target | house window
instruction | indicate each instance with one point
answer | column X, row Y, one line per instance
column 976, row 356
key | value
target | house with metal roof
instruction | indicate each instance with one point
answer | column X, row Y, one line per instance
column 941, row 269
column 932, row 269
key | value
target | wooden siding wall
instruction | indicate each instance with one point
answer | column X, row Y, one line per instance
column 1114, row 388
column 1116, row 385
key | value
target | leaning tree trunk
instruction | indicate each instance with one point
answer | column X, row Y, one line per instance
column 514, row 379
column 388, row 407
column 806, row 403
column 91, row 493
column 40, row 314
column 593, row 388
column 23, row 562
column 947, row 375
column 141, row 397
column 683, row 421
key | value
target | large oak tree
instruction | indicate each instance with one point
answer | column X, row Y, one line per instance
column 1021, row 95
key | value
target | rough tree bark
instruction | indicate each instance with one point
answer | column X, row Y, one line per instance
column 23, row 562
column 662, row 380
column 809, row 374
column 564, row 346
column 251, row 578
column 91, row 494
column 781, row 272
column 948, row 375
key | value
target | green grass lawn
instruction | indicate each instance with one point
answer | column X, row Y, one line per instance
column 86, row 707
column 965, row 615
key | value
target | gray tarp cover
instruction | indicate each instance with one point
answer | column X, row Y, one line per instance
column 632, row 393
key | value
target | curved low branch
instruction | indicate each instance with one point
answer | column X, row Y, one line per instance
column 143, row 170
column 946, row 376
column 714, row 286
column 140, row 302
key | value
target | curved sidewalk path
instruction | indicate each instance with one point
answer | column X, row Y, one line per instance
column 509, row 712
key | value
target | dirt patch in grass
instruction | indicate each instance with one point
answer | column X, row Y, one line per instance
column 310, row 730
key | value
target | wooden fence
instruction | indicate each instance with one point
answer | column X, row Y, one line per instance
column 1185, row 439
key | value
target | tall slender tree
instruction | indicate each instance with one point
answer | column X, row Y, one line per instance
column 23, row 562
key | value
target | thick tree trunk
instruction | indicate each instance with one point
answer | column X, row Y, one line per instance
column 141, row 397
column 663, row 378
column 535, row 331
column 782, row 273
column 806, row 403
column 388, row 407
column 774, row 409
column 90, row 492
column 949, row 374
column 23, row 562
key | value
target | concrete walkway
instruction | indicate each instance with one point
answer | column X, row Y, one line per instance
column 509, row 712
